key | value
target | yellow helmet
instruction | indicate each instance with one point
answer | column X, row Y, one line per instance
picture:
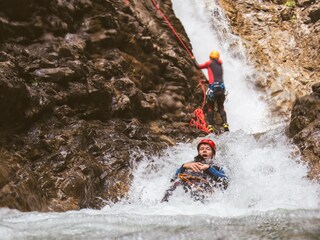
column 214, row 55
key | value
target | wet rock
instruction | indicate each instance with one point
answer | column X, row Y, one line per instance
column 82, row 84
column 14, row 96
column 316, row 89
column 302, row 3
column 61, row 74
column 304, row 128
column 286, row 13
column 281, row 40
column 311, row 14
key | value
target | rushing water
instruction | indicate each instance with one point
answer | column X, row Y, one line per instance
column 269, row 196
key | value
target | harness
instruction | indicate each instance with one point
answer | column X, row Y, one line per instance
column 191, row 180
column 213, row 88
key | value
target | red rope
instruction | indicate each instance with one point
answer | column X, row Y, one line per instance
column 199, row 122
column 172, row 28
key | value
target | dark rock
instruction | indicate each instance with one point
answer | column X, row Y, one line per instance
column 302, row 3
column 74, row 71
column 304, row 128
column 316, row 89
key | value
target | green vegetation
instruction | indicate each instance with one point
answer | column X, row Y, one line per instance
column 290, row 3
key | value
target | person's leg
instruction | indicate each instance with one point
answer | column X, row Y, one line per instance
column 220, row 101
column 169, row 192
column 210, row 107
column 210, row 114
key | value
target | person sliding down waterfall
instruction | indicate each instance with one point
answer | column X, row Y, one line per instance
column 200, row 176
column 216, row 90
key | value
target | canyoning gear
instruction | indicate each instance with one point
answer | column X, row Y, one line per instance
column 214, row 55
column 211, row 128
column 214, row 88
column 226, row 127
column 200, row 184
column 209, row 142
column 217, row 85
column 200, row 121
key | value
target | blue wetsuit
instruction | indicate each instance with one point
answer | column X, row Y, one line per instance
column 200, row 184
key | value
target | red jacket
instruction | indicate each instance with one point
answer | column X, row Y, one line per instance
column 215, row 71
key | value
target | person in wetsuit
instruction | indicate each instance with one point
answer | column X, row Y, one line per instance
column 216, row 90
column 200, row 176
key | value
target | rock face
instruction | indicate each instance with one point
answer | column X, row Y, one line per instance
column 85, row 85
column 282, row 40
column 304, row 128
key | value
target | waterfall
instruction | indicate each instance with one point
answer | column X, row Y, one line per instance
column 268, row 197
column 265, row 169
column 208, row 30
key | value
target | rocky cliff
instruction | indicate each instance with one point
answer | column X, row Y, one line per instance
column 282, row 40
column 84, row 84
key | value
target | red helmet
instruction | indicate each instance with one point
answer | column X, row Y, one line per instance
column 209, row 142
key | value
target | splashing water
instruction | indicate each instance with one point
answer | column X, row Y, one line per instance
column 269, row 196
column 264, row 175
column 265, row 170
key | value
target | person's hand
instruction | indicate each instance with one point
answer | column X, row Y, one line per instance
column 204, row 81
column 196, row 166
column 201, row 82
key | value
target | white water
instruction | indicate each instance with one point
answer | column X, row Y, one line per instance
column 208, row 30
column 264, row 173
column 267, row 182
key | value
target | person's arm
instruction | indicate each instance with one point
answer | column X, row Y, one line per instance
column 217, row 172
column 205, row 81
column 180, row 170
column 204, row 65
column 194, row 166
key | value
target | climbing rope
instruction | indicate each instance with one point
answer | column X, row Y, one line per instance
column 173, row 30
column 199, row 122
